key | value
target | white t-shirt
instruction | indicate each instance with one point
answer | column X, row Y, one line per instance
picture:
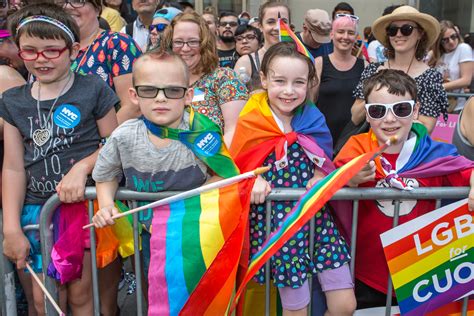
column 462, row 54
column 140, row 34
column 375, row 51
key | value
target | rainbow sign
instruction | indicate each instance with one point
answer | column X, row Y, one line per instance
column 431, row 258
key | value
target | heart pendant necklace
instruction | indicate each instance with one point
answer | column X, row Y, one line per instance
column 43, row 134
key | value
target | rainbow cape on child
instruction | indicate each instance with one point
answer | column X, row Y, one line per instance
column 257, row 135
column 420, row 157
column 205, row 140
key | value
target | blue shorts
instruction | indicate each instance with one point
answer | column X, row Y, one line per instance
column 30, row 216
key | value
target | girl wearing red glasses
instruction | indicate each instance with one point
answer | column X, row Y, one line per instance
column 52, row 131
column 406, row 35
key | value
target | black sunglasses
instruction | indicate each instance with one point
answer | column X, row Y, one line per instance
column 453, row 37
column 231, row 24
column 150, row 92
column 405, row 29
column 76, row 4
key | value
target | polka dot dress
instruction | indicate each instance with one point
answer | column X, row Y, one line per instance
column 292, row 263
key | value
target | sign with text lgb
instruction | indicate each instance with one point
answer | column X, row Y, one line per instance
column 431, row 258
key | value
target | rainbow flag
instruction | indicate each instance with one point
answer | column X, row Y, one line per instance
column 308, row 205
column 431, row 258
column 287, row 35
column 195, row 250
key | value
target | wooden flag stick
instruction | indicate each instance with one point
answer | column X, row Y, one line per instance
column 190, row 193
column 391, row 141
column 45, row 291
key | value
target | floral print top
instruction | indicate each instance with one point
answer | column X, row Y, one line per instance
column 214, row 89
column 110, row 55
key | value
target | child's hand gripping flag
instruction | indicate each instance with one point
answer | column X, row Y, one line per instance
column 287, row 35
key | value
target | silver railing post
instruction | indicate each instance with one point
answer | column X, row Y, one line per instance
column 94, row 273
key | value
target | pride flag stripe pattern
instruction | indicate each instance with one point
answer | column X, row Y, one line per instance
column 195, row 246
column 287, row 35
column 308, row 205
column 406, row 274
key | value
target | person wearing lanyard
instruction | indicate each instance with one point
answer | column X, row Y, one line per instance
column 110, row 55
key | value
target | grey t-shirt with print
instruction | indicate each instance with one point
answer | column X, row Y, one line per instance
column 146, row 167
column 72, row 125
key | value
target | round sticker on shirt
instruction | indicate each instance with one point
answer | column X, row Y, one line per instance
column 208, row 144
column 198, row 95
column 67, row 116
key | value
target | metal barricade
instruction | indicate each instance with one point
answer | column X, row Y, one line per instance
column 7, row 280
column 459, row 95
column 351, row 194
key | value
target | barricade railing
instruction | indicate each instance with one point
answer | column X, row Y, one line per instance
column 459, row 95
column 348, row 194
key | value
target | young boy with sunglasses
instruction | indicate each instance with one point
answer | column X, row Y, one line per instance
column 165, row 149
column 414, row 161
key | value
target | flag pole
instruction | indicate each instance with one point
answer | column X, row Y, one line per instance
column 193, row 192
column 45, row 291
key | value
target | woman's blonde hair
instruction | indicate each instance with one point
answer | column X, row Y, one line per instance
column 438, row 48
column 209, row 59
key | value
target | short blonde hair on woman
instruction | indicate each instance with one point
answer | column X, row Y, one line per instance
column 209, row 59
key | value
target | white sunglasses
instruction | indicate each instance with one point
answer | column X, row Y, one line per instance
column 401, row 109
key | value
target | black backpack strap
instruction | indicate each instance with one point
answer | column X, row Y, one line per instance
column 129, row 29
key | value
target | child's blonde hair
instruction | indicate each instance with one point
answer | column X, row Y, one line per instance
column 162, row 56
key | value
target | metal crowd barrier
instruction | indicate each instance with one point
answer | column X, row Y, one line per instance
column 459, row 95
column 350, row 194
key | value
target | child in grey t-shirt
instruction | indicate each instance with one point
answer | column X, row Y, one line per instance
column 150, row 163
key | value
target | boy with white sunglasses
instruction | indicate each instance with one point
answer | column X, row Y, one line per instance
column 414, row 161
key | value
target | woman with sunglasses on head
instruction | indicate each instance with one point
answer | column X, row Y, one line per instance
column 407, row 34
column 339, row 73
column 454, row 59
column 110, row 55
column 218, row 93
column 161, row 20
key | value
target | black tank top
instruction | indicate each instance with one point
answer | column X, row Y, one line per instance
column 335, row 94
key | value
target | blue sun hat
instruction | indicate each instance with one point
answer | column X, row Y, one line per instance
column 167, row 13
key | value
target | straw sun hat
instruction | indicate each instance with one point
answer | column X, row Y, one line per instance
column 429, row 24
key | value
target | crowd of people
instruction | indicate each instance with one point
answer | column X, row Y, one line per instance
column 97, row 93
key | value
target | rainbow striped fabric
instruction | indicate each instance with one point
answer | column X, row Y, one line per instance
column 287, row 35
column 308, row 205
column 430, row 258
column 195, row 250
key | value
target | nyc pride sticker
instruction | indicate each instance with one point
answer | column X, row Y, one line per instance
column 198, row 95
column 67, row 116
column 208, row 144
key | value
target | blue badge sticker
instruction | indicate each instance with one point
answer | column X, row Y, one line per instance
column 208, row 144
column 198, row 95
column 67, row 116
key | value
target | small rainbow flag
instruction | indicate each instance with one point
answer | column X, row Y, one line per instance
column 430, row 258
column 308, row 205
column 195, row 250
column 287, row 35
